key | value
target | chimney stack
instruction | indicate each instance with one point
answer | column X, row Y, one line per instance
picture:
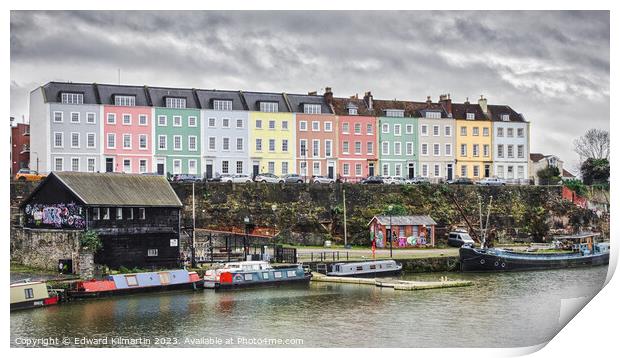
column 483, row 104
column 466, row 100
column 447, row 103
column 312, row 93
column 329, row 96
column 368, row 99
column 428, row 101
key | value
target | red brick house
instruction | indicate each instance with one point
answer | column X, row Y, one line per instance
column 20, row 147
column 409, row 231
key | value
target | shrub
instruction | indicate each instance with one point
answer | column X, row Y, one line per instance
column 90, row 240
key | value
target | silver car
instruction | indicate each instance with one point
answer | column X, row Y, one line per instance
column 491, row 181
column 237, row 178
column 268, row 178
column 319, row 179
column 393, row 180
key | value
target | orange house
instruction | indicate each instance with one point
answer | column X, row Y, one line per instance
column 409, row 231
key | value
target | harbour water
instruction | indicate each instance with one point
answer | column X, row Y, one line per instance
column 499, row 310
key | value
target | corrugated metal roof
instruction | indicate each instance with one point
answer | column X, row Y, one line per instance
column 114, row 189
column 405, row 220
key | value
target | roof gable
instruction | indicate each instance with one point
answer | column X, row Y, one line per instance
column 253, row 100
column 107, row 93
column 496, row 112
column 404, row 220
column 297, row 102
column 460, row 110
column 206, row 98
column 158, row 96
column 54, row 90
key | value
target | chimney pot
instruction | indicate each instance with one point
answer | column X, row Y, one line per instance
column 328, row 95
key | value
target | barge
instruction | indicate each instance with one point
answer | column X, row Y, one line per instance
column 379, row 268
column 31, row 294
column 122, row 284
column 246, row 274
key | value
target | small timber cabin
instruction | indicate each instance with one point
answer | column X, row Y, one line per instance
column 137, row 217
column 31, row 294
column 408, row 230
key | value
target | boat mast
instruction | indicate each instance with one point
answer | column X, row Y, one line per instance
column 486, row 226
column 480, row 214
column 193, row 248
column 344, row 206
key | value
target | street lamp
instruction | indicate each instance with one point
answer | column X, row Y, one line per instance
column 246, row 221
column 390, row 207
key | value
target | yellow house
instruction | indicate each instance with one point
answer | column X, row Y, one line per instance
column 474, row 140
column 271, row 134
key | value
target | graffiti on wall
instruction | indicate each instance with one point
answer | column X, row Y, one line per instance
column 59, row 216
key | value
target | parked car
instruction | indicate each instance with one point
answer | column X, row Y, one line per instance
column 215, row 179
column 461, row 181
column 492, row 181
column 372, row 180
column 320, row 179
column 460, row 238
column 393, row 180
column 236, row 178
column 186, row 178
column 268, row 178
column 293, row 178
column 418, row 180
column 26, row 174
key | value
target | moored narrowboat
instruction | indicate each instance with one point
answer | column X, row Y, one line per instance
column 378, row 268
column 247, row 274
column 137, row 282
column 31, row 294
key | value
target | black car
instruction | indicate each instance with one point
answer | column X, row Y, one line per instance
column 461, row 181
column 372, row 180
column 186, row 178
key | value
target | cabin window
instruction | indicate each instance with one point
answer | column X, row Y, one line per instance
column 142, row 213
column 130, row 214
column 265, row 276
column 28, row 293
column 106, row 213
column 291, row 273
column 373, row 267
column 360, row 268
column 164, row 278
column 95, row 213
column 277, row 274
column 131, row 280
column 152, row 252
column 119, row 213
column 248, row 277
column 389, row 265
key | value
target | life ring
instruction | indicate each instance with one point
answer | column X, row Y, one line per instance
column 496, row 263
column 503, row 264
column 238, row 277
column 482, row 261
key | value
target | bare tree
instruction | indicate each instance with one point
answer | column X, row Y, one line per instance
column 594, row 144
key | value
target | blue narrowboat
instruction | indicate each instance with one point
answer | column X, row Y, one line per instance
column 246, row 274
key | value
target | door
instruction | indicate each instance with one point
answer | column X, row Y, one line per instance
column 411, row 171
column 209, row 171
column 255, row 169
column 449, row 172
column 160, row 168
column 109, row 165
column 487, row 170
column 371, row 169
column 330, row 172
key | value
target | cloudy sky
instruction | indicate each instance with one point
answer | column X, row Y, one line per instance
column 551, row 66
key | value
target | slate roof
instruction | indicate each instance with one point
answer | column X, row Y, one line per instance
column 158, row 96
column 115, row 189
column 53, row 91
column 411, row 108
column 297, row 102
column 107, row 92
column 341, row 106
column 404, row 220
column 206, row 97
column 253, row 99
column 536, row 157
column 567, row 174
column 496, row 112
column 460, row 110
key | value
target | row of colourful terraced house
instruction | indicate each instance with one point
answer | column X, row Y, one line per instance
column 142, row 129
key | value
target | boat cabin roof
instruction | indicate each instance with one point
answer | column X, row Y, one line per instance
column 27, row 283
column 580, row 236
column 379, row 262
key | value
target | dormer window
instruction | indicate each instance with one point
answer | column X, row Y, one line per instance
column 505, row 117
column 72, row 98
column 471, row 116
column 353, row 111
column 394, row 113
column 222, row 105
column 268, row 106
column 312, row 108
column 123, row 100
column 176, row 102
column 432, row 115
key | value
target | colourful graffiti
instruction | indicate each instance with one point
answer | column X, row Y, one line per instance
column 58, row 216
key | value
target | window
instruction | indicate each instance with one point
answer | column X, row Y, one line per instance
column 435, row 131
column 119, row 214
column 225, row 123
column 177, row 142
column 448, row 149
column 500, row 150
column 436, row 149
column 57, row 117
column 225, row 143
column 510, row 132
column 316, row 126
column 239, row 123
column 475, row 131
column 463, row 131
column 369, row 129
column 500, row 131
column 285, row 145
column 75, row 117
column 433, row 115
column 436, row 170
column 520, row 172
column 520, row 151
column 510, row 171
column 476, row 171
column 271, row 167
column 476, row 150
column 127, row 165
column 72, row 98
column 90, row 165
column 463, row 150
column 424, row 130
column 409, row 148
column 394, row 113
column 175, row 102
column 142, row 166
column 162, row 121
column 471, row 116
column 316, row 168
column 510, row 150
column 106, row 213
column 520, row 132
column 127, row 101
column 130, row 214
column 151, row 252
column 111, row 118
column 75, row 140
column 345, row 128
column 485, row 150
column 222, row 105
column 312, row 108
column 358, row 147
column 127, row 141
column 272, row 145
column 397, row 148
column 370, row 147
column 500, row 171
column 328, row 148
column 303, row 168
column 385, row 128
column 397, row 169
column 353, row 111
column 357, row 128
column 464, row 171
column 409, row 129
column 284, row 125
column 316, row 150
column 259, row 144
column 95, row 214
column 358, row 169
column 176, row 121
column 192, row 121
column 259, row 124
column 268, row 106
column 191, row 143
column 303, row 148
column 126, row 119
column 485, row 131
column 162, row 142
column 239, row 167
column 211, row 143
column 345, row 169
column 424, row 149
column 142, row 213
column 385, row 148
column 224, row 166
column 142, row 141
column 425, row 170
column 505, row 117
column 143, row 119
column 75, row 164
column 386, row 169
column 240, row 144
column 192, row 167
column 58, row 164
column 447, row 131
column 176, row 166
column 28, row 293
column 345, row 147
column 327, row 126
column 397, row 129
column 303, row 126
column 111, row 140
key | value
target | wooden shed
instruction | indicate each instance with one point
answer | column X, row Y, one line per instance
column 409, row 230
